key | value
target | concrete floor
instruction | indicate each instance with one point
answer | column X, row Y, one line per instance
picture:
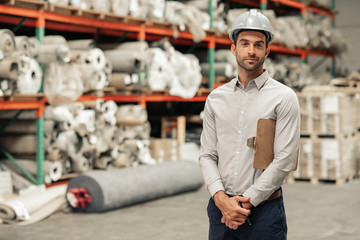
column 314, row 212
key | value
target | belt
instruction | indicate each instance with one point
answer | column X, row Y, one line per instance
column 275, row 195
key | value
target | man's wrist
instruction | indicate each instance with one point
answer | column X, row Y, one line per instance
column 218, row 197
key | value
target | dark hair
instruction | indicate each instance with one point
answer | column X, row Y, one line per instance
column 267, row 36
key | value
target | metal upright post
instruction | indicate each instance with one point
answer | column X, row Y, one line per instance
column 263, row 4
column 211, row 51
column 40, row 154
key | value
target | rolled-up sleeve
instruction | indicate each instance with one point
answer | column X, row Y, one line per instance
column 208, row 158
column 286, row 146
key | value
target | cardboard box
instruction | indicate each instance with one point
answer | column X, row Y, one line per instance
column 165, row 149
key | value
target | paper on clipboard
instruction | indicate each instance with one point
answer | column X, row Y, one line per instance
column 263, row 143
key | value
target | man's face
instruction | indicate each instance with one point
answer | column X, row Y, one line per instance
column 250, row 50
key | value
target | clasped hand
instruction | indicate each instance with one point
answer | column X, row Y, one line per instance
column 233, row 214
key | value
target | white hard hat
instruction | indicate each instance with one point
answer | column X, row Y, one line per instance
column 252, row 20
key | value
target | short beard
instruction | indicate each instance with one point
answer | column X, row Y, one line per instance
column 252, row 68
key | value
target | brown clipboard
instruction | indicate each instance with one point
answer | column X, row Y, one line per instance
column 263, row 144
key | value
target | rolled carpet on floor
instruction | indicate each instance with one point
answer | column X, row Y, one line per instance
column 118, row 188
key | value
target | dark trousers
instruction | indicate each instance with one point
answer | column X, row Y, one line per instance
column 268, row 222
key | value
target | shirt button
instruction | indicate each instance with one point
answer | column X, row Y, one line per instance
column 235, row 174
column 240, row 132
column 242, row 112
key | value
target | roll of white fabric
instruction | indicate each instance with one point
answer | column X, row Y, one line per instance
column 120, row 80
column 52, row 169
column 120, row 7
column 54, row 40
column 82, row 4
column 185, row 83
column 30, row 207
column 159, row 70
column 30, row 77
column 34, row 47
column 221, row 69
column 53, row 53
column 103, row 162
column 80, row 164
column 124, row 61
column 94, row 58
column 81, row 44
column 60, row 2
column 86, row 120
column 7, row 42
column 109, row 109
column 141, row 46
column 102, row 5
column 23, row 45
column 97, row 80
column 9, row 68
column 131, row 113
column 62, row 83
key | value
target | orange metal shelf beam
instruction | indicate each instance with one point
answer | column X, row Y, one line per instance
column 18, row 105
column 137, row 98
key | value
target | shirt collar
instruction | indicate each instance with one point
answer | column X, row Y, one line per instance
column 259, row 81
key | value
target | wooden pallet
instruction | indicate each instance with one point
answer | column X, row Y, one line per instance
column 314, row 180
column 22, row 97
column 29, row 4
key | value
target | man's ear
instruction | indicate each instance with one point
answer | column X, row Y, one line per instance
column 233, row 49
column 267, row 51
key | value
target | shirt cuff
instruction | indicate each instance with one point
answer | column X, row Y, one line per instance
column 215, row 187
column 255, row 196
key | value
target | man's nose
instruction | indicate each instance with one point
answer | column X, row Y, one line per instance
column 251, row 50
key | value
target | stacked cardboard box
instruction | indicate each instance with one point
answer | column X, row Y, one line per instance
column 329, row 139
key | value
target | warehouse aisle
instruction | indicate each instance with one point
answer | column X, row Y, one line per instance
column 323, row 211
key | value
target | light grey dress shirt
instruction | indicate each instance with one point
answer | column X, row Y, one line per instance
column 230, row 118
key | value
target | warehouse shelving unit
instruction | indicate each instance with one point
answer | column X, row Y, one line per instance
column 22, row 103
column 43, row 15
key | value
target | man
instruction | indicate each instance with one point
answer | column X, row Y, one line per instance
column 230, row 118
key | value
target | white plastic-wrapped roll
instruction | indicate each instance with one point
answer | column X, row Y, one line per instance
column 9, row 68
column 23, row 45
column 85, row 120
column 120, row 80
column 7, row 42
column 30, row 77
column 159, row 70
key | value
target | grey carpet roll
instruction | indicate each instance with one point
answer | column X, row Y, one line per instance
column 118, row 188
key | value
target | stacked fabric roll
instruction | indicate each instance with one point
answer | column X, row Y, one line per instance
column 19, row 71
column 33, row 205
column 100, row 135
